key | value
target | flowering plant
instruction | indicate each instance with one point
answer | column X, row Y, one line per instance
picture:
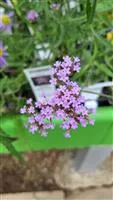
column 66, row 103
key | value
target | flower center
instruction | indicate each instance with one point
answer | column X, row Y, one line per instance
column 109, row 36
column 6, row 19
column 1, row 52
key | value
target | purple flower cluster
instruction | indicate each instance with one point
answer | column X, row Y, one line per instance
column 63, row 70
column 3, row 55
column 32, row 15
column 66, row 103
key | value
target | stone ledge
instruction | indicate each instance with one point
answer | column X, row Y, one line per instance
column 92, row 194
column 55, row 195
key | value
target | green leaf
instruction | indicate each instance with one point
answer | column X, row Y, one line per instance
column 4, row 139
column 105, row 69
column 7, row 142
column 10, row 147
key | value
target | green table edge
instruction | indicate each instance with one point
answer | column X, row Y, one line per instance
column 99, row 134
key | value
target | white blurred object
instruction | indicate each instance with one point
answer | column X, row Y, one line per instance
column 43, row 52
column 9, row 3
column 90, row 98
column 72, row 3
column 1, row 11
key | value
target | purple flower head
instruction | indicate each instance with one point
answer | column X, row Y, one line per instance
column 33, row 128
column 66, row 103
column 39, row 119
column 3, row 55
column 6, row 21
column 31, row 109
column 32, row 15
column 31, row 120
column 55, row 6
column 29, row 101
column 91, row 121
column 23, row 110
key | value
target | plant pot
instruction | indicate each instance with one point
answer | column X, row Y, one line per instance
column 99, row 134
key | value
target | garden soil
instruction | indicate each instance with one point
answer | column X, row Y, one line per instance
column 49, row 170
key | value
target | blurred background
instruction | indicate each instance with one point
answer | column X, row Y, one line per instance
column 67, row 27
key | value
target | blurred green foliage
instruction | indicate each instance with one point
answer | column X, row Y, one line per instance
column 76, row 31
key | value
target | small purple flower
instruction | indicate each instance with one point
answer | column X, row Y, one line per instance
column 55, row 6
column 65, row 125
column 39, row 119
column 29, row 101
column 57, row 63
column 3, row 55
column 91, row 121
column 67, row 60
column 48, row 126
column 23, row 110
column 83, row 121
column 73, row 123
column 33, row 128
column 60, row 114
column 32, row 15
column 37, row 104
column 31, row 110
column 6, row 21
column 53, row 81
column 31, row 120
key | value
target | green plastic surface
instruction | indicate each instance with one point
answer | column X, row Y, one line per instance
column 99, row 134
